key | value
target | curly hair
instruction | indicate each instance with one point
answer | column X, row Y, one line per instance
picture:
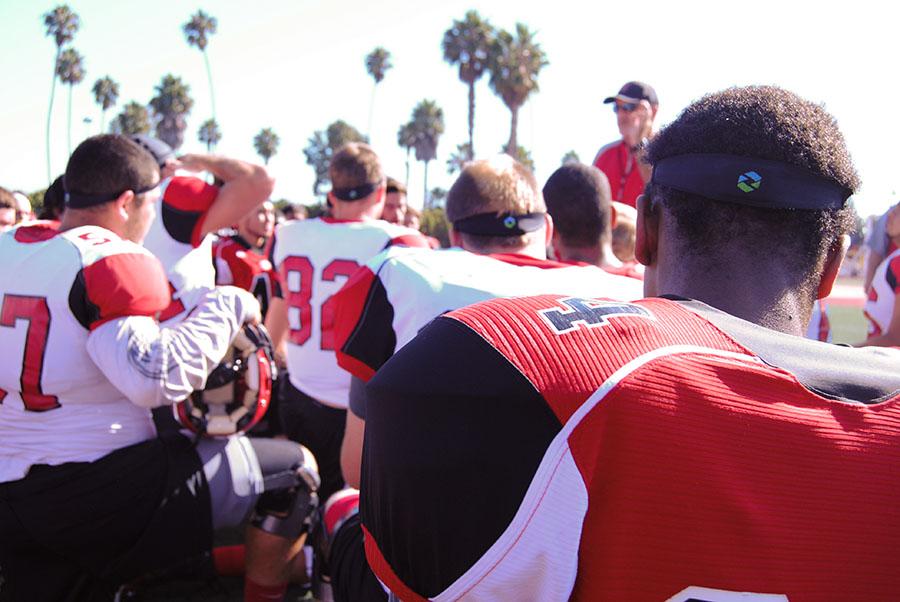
column 764, row 122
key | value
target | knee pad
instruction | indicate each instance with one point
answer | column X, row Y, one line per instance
column 289, row 500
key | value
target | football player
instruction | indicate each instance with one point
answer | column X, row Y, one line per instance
column 90, row 497
column 314, row 258
column 688, row 446
column 500, row 231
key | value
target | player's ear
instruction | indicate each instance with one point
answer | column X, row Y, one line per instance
column 832, row 266
column 124, row 203
column 646, row 236
column 548, row 226
column 455, row 238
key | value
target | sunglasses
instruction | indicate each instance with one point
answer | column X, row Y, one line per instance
column 628, row 107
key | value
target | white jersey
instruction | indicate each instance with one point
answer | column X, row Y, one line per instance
column 400, row 291
column 882, row 294
column 314, row 258
column 56, row 405
column 819, row 328
column 83, row 355
column 174, row 238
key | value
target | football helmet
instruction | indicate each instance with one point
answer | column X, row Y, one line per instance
column 238, row 391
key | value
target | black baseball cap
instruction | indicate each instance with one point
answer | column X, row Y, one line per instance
column 635, row 92
column 161, row 151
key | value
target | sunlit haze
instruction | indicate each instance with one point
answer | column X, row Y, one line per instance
column 298, row 66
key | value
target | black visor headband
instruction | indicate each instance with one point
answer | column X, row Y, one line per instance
column 355, row 194
column 76, row 200
column 748, row 181
column 505, row 224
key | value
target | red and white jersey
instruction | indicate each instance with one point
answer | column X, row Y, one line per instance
column 386, row 303
column 314, row 258
column 174, row 238
column 883, row 294
column 55, row 288
column 564, row 448
column 237, row 263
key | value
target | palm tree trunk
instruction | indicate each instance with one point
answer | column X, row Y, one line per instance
column 371, row 111
column 471, row 119
column 512, row 145
column 212, row 96
column 69, row 121
column 102, row 120
column 50, row 113
column 425, row 202
column 406, row 183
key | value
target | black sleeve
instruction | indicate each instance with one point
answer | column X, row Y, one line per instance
column 454, row 435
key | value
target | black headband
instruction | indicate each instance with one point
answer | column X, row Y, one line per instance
column 355, row 194
column 75, row 200
column 504, row 224
column 749, row 181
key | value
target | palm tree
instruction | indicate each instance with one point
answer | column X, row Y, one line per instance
column 406, row 138
column 210, row 134
column 515, row 64
column 266, row 144
column 571, row 157
column 522, row 155
column 428, row 125
column 61, row 23
column 171, row 105
column 197, row 32
column 468, row 44
column 459, row 158
column 134, row 119
column 70, row 69
column 322, row 145
column 106, row 93
column 377, row 64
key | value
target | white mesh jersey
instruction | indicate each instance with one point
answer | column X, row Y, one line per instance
column 56, row 405
column 174, row 238
column 399, row 291
column 314, row 258
column 882, row 294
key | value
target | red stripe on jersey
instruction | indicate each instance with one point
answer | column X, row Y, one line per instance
column 190, row 194
column 127, row 284
column 893, row 276
column 717, row 472
column 349, row 304
column 568, row 369
column 526, row 260
column 356, row 367
column 410, row 240
column 38, row 232
column 384, row 571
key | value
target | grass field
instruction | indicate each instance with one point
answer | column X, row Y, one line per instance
column 845, row 311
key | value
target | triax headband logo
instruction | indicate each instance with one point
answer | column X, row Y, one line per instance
column 748, row 182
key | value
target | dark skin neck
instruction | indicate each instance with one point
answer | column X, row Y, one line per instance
column 751, row 285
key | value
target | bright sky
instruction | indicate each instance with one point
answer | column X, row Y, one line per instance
column 296, row 66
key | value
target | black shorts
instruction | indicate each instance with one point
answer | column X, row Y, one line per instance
column 320, row 428
column 351, row 578
column 78, row 530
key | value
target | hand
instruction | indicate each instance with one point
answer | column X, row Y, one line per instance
column 193, row 162
column 636, row 125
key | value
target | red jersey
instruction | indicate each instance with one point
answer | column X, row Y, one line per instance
column 237, row 263
column 621, row 169
column 553, row 448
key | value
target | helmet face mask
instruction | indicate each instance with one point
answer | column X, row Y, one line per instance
column 238, row 391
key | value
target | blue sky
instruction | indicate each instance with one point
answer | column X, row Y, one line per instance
column 297, row 66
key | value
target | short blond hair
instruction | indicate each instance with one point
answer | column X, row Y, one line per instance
column 497, row 185
column 355, row 164
column 500, row 184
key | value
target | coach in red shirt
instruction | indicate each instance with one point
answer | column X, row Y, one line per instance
column 635, row 107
